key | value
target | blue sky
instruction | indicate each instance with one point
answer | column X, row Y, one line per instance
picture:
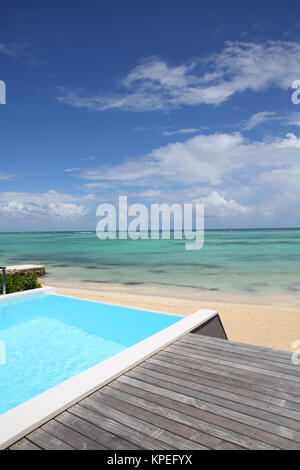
column 161, row 101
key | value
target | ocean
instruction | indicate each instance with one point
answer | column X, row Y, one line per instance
column 263, row 261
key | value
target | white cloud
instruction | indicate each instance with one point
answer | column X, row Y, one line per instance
column 217, row 206
column 294, row 123
column 259, row 118
column 289, row 141
column 234, row 176
column 12, row 49
column 66, row 210
column 6, row 176
column 44, row 205
column 292, row 119
column 20, row 51
column 87, row 159
column 183, row 131
column 12, row 208
column 231, row 173
column 156, row 85
column 201, row 159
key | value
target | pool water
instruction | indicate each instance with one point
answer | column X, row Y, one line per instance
column 49, row 339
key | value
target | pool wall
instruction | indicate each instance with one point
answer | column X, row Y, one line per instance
column 28, row 293
column 31, row 414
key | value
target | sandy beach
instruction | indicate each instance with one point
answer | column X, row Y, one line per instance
column 271, row 322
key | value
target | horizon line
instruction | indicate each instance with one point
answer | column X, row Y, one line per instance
column 160, row 231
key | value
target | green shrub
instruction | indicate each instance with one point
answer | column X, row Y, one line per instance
column 19, row 283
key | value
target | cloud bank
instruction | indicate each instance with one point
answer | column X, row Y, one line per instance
column 156, row 85
column 230, row 174
column 49, row 205
column 249, row 182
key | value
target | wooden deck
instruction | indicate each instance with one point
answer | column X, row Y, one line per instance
column 198, row 393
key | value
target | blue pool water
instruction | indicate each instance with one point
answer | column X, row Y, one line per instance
column 50, row 338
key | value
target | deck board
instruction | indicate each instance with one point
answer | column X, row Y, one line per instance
column 240, row 356
column 221, row 393
column 198, row 393
column 226, row 409
column 47, row 441
column 235, row 363
column 24, row 444
column 118, row 428
column 196, row 381
column 235, row 432
column 236, row 373
column 105, row 438
column 71, row 437
column 224, row 376
column 149, row 425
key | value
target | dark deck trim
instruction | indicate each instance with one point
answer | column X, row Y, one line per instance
column 213, row 328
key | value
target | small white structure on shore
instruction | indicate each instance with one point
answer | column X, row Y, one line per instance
column 27, row 269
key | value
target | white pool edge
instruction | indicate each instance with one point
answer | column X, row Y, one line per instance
column 110, row 303
column 19, row 421
column 28, row 293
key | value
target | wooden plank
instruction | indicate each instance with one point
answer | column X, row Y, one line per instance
column 242, row 346
column 24, row 444
column 249, row 367
column 184, row 435
column 46, row 441
column 215, row 437
column 111, row 407
column 105, row 438
column 93, row 415
column 239, row 365
column 244, row 435
column 221, row 393
column 237, row 373
column 205, row 438
column 264, row 399
column 69, row 436
column 227, row 371
column 227, row 403
column 221, row 375
column 291, row 373
column 194, row 398
column 235, row 354
column 273, row 351
column 244, row 349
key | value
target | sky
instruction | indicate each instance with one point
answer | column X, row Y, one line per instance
column 164, row 102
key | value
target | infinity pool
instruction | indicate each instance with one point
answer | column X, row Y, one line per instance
column 49, row 338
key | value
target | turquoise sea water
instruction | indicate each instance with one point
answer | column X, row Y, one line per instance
column 239, row 261
column 49, row 339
